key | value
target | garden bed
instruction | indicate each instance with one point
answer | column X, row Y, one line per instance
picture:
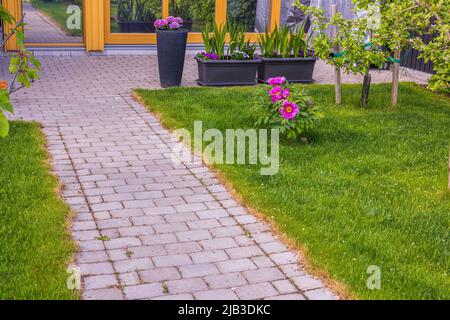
column 369, row 189
column 35, row 247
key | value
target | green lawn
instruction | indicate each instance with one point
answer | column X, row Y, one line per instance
column 57, row 11
column 35, row 247
column 369, row 189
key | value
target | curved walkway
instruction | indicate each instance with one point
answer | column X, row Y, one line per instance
column 148, row 229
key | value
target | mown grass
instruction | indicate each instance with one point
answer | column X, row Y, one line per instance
column 35, row 247
column 57, row 11
column 369, row 189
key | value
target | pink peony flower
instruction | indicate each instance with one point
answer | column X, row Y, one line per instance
column 179, row 20
column 277, row 81
column 278, row 93
column 289, row 110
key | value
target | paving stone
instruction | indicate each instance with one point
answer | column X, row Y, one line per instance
column 221, row 294
column 177, row 297
column 284, row 258
column 123, row 242
column 220, row 243
column 264, row 275
column 256, row 291
column 193, row 235
column 321, row 294
column 129, row 279
column 198, row 270
column 159, row 275
column 99, row 282
column 143, row 291
column 294, row 296
column 183, row 248
column 96, row 268
column 103, row 294
column 236, row 265
column 186, row 285
column 284, row 286
column 133, row 265
column 209, row 256
column 244, row 252
column 227, row 280
column 307, row 282
column 172, row 260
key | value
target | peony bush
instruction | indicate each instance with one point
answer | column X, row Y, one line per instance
column 289, row 109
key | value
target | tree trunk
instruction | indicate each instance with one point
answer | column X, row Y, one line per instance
column 365, row 89
column 395, row 77
column 337, row 71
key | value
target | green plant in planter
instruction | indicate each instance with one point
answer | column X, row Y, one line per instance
column 284, row 42
column 214, row 41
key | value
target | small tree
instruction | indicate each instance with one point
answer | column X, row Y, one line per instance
column 402, row 24
column 355, row 54
column 23, row 66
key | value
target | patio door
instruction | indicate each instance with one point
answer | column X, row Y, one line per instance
column 53, row 22
column 131, row 21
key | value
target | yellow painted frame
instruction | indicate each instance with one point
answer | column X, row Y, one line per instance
column 97, row 25
column 14, row 7
column 193, row 37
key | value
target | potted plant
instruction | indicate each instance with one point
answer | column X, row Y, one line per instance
column 171, row 42
column 286, row 53
column 136, row 16
column 220, row 67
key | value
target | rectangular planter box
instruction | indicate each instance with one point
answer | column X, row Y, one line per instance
column 226, row 72
column 293, row 69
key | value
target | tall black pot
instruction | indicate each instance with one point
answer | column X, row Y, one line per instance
column 171, row 53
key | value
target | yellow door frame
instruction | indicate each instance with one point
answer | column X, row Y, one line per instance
column 14, row 7
column 97, row 25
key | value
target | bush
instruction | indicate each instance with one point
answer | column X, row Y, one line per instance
column 286, row 108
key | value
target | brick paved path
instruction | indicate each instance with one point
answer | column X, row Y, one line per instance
column 148, row 229
column 41, row 29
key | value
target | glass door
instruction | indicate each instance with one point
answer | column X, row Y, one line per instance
column 53, row 22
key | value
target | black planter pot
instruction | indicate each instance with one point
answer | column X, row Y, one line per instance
column 226, row 72
column 293, row 69
column 136, row 26
column 171, row 47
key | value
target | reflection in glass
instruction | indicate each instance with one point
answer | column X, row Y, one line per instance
column 292, row 16
column 53, row 21
column 253, row 14
column 196, row 14
column 134, row 16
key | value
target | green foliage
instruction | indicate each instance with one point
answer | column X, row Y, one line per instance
column 242, row 12
column 404, row 22
column 23, row 65
column 34, row 243
column 214, row 41
column 268, row 112
column 285, row 42
column 355, row 54
column 137, row 10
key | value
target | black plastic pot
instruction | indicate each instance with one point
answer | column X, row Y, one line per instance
column 226, row 72
column 136, row 26
column 171, row 47
column 293, row 69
